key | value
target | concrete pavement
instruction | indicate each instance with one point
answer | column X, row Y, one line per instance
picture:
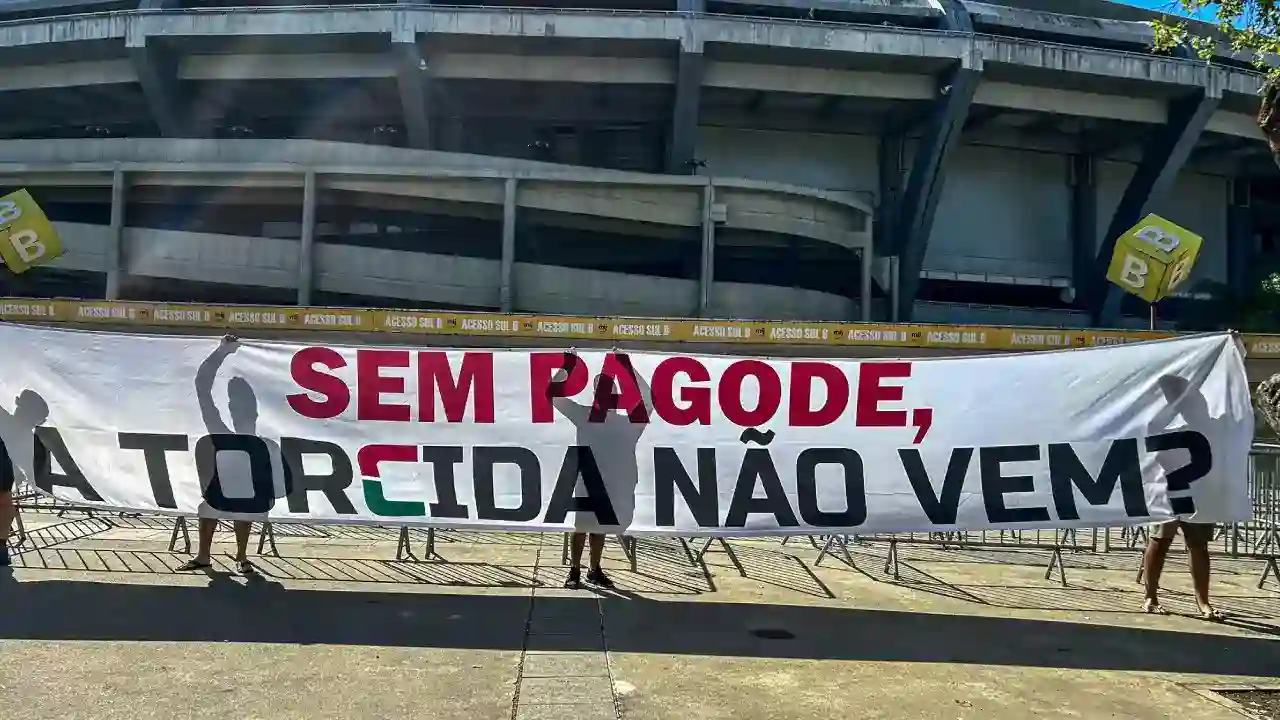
column 96, row 625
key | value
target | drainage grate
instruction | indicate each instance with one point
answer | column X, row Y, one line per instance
column 1260, row 704
column 773, row 634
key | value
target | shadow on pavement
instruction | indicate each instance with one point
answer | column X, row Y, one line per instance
column 266, row 612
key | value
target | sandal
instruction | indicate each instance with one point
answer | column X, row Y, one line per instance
column 192, row 565
column 1210, row 613
column 244, row 567
column 1153, row 607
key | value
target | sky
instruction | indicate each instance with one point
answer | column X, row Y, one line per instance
column 1164, row 5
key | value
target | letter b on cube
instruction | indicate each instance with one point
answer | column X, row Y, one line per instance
column 27, row 238
column 1153, row 258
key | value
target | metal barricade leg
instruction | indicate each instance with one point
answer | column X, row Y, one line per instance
column 267, row 535
column 20, row 531
column 891, row 560
column 1270, row 571
column 840, row 542
column 430, row 551
column 1055, row 560
column 180, row 526
column 629, row 549
column 728, row 550
column 404, row 550
column 688, row 551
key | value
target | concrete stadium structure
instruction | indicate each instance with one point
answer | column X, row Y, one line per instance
column 926, row 160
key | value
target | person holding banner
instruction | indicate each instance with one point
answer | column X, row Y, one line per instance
column 1185, row 401
column 242, row 403
column 606, row 438
column 17, row 453
column 1197, row 537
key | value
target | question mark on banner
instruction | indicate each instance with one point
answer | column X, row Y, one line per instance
column 1180, row 479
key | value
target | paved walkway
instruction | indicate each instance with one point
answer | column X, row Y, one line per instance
column 96, row 625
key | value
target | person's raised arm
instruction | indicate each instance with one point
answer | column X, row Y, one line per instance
column 205, row 376
column 646, row 394
column 574, row 412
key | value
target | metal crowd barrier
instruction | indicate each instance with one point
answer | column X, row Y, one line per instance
column 1258, row 538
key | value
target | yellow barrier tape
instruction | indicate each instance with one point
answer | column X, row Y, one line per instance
column 236, row 317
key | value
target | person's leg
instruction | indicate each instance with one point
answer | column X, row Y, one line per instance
column 597, row 551
column 577, row 542
column 1153, row 563
column 204, row 545
column 7, row 513
column 596, row 575
column 243, row 530
column 1197, row 536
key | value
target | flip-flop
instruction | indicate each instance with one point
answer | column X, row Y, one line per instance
column 192, row 565
column 1211, row 614
column 1152, row 607
column 244, row 567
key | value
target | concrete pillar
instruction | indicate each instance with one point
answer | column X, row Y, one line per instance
column 413, row 79
column 706, row 270
column 683, row 138
column 1162, row 157
column 895, row 308
column 1240, row 249
column 115, row 247
column 509, row 209
column 914, row 223
column 157, row 70
column 889, row 158
column 307, row 243
column 864, row 297
column 1084, row 226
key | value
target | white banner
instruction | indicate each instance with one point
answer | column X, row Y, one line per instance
column 643, row 443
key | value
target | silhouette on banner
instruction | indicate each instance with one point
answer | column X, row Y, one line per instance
column 17, row 454
column 242, row 489
column 18, row 438
column 1191, row 405
column 236, row 466
column 604, row 453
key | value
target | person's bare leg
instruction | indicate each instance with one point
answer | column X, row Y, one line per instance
column 243, row 530
column 596, row 575
column 1198, row 559
column 204, row 540
column 1152, row 566
column 205, row 528
column 577, row 542
column 597, row 551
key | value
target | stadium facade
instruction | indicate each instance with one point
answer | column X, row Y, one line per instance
column 925, row 160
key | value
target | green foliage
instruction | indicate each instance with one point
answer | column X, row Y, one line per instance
column 1248, row 27
column 1256, row 309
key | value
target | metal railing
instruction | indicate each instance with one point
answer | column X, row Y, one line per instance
column 1257, row 538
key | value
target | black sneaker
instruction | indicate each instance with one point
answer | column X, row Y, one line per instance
column 574, row 581
column 599, row 579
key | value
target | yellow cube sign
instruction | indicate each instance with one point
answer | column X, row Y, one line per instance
column 27, row 238
column 1153, row 258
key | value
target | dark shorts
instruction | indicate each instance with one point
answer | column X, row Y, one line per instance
column 1195, row 533
column 7, row 474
